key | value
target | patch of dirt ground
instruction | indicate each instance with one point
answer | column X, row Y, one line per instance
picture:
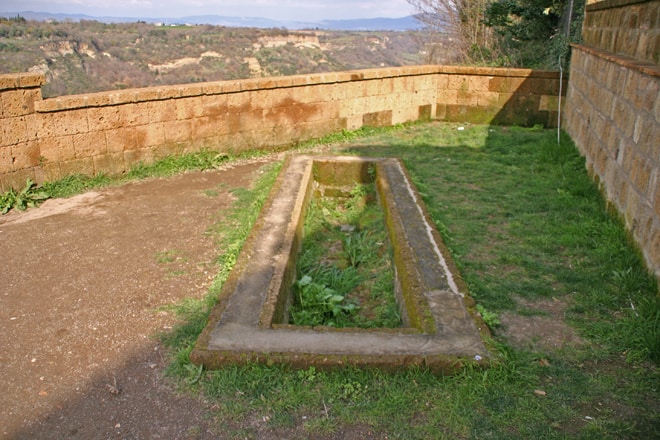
column 83, row 284
column 539, row 325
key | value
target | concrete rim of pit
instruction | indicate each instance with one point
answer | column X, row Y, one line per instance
column 444, row 331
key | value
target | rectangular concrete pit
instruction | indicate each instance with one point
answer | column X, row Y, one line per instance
column 248, row 324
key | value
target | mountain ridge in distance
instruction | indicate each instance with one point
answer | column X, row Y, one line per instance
column 365, row 24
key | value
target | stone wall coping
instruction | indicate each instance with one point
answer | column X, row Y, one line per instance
column 159, row 93
column 622, row 60
column 21, row 81
column 611, row 4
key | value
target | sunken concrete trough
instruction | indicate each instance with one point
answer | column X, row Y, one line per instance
column 249, row 323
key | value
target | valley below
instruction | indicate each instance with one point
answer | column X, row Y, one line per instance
column 89, row 56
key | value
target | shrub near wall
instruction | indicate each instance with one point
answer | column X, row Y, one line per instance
column 111, row 131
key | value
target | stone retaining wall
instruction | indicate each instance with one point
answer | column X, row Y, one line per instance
column 108, row 132
column 624, row 27
column 613, row 112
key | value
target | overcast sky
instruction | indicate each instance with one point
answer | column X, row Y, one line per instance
column 295, row 10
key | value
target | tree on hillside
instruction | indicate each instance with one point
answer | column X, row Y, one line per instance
column 535, row 33
column 462, row 21
column 517, row 33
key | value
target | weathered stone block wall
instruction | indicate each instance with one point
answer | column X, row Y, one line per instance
column 111, row 131
column 613, row 114
column 624, row 27
column 499, row 96
column 19, row 150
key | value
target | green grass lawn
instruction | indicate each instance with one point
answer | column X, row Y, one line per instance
column 536, row 244
column 526, row 226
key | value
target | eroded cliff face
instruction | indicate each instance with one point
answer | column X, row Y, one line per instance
column 309, row 40
column 63, row 48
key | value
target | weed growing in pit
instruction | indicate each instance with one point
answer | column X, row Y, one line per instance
column 319, row 304
column 345, row 275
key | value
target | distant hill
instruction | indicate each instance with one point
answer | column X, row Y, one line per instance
column 368, row 24
column 83, row 55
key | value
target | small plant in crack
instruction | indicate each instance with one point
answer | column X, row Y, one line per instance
column 490, row 318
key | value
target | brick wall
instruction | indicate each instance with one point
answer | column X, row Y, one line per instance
column 613, row 113
column 111, row 131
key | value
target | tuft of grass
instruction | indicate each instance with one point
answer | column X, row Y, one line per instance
column 70, row 185
column 78, row 183
column 175, row 164
column 168, row 256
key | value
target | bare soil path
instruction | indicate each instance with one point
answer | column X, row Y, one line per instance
column 83, row 282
